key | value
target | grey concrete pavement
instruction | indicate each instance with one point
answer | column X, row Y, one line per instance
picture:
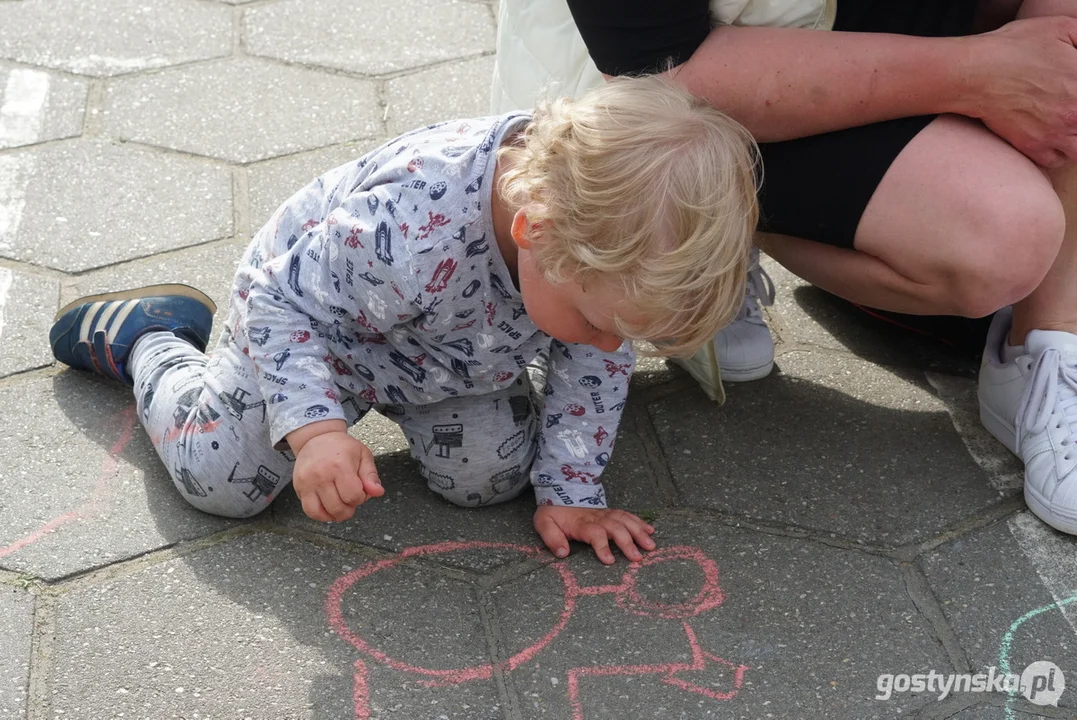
column 842, row 519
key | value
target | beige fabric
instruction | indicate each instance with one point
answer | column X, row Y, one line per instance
column 539, row 47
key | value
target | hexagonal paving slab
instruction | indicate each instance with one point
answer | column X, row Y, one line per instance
column 459, row 90
column 1009, row 591
column 36, row 105
column 840, row 447
column 718, row 623
column 274, row 181
column 83, row 485
column 241, row 109
column 16, row 623
column 241, row 630
column 27, row 304
column 82, row 204
column 111, row 37
column 210, row 269
column 354, row 35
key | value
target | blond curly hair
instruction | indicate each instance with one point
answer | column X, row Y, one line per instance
column 641, row 182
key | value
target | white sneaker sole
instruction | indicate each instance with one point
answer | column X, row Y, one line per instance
column 747, row 374
column 1006, row 434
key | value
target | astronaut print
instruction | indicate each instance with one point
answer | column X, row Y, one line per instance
column 381, row 282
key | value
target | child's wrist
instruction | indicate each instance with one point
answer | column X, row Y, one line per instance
column 301, row 436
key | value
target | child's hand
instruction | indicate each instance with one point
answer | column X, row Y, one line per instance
column 334, row 474
column 557, row 524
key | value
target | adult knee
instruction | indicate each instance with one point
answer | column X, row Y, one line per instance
column 1010, row 248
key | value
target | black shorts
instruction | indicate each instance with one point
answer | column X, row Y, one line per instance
column 818, row 187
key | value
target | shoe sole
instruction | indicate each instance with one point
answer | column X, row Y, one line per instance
column 714, row 391
column 1003, row 431
column 173, row 289
column 748, row 374
column 1006, row 434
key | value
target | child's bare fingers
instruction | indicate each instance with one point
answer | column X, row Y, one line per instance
column 368, row 473
column 352, row 494
column 338, row 510
column 624, row 540
column 642, row 535
column 552, row 535
column 598, row 539
column 312, row 506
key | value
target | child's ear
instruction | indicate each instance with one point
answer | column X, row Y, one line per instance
column 522, row 229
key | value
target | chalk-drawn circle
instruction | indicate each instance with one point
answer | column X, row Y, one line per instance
column 709, row 596
column 445, row 676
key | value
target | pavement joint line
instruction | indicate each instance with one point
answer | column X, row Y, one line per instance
column 241, row 202
column 42, row 639
column 66, row 74
column 27, row 375
column 95, row 109
column 40, row 144
column 918, row 588
column 238, row 50
column 101, row 574
column 371, row 553
column 45, row 273
column 495, row 644
column 643, row 428
column 995, row 513
column 369, row 77
column 215, row 162
column 164, row 254
column 510, row 573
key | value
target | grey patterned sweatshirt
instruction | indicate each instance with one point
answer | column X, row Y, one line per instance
column 381, row 282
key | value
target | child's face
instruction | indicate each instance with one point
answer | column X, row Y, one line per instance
column 571, row 312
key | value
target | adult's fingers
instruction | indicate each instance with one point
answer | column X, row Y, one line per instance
column 552, row 535
column 312, row 506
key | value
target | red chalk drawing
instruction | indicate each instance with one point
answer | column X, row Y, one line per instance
column 626, row 595
column 126, row 419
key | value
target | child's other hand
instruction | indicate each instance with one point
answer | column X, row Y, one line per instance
column 557, row 524
column 334, row 474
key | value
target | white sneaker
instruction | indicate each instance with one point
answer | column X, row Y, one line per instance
column 743, row 350
column 1030, row 405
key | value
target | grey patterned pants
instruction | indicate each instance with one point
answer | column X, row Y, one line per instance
column 207, row 419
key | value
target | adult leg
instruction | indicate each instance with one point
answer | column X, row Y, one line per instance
column 474, row 450
column 206, row 419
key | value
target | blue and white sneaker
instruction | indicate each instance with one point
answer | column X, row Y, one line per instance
column 97, row 332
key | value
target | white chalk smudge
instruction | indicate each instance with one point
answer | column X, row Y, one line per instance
column 1052, row 554
column 23, row 106
column 5, row 286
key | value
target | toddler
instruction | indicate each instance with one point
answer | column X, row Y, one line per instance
column 420, row 281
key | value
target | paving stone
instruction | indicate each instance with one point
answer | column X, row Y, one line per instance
column 997, row 582
column 16, row 624
column 272, row 182
column 27, row 304
column 992, row 712
column 411, row 515
column 811, row 627
column 83, row 487
column 240, row 630
column 111, row 37
column 631, row 481
column 459, row 90
column 834, row 445
column 221, row 109
column 36, row 105
column 210, row 269
column 115, row 203
column 809, row 315
column 354, row 35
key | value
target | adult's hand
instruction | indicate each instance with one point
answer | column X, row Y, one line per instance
column 1023, row 80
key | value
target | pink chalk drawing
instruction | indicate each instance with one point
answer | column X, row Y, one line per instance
column 126, row 420
column 626, row 595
